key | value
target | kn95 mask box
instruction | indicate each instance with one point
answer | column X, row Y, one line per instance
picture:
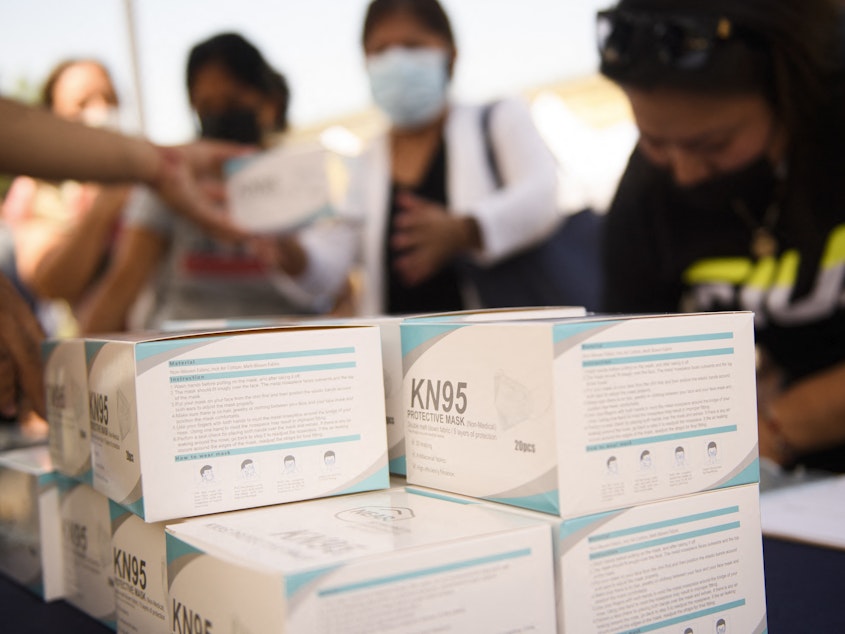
column 371, row 562
column 195, row 424
column 282, row 189
column 139, row 572
column 577, row 416
column 86, row 547
column 66, row 385
column 30, row 527
column 689, row 562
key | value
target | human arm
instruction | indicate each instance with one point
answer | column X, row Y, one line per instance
column 427, row 237
column 523, row 210
column 806, row 417
column 61, row 261
column 21, row 372
column 34, row 142
column 313, row 263
column 137, row 254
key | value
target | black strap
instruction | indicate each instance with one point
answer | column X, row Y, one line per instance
column 489, row 150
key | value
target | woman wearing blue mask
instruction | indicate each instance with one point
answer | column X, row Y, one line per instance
column 733, row 198
column 423, row 193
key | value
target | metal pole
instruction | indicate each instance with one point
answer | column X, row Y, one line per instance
column 129, row 12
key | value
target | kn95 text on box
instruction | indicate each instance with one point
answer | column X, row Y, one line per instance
column 372, row 562
column 189, row 425
column 580, row 415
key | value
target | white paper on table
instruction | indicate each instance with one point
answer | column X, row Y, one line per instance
column 812, row 512
column 279, row 190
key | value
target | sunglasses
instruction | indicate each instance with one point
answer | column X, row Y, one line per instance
column 683, row 42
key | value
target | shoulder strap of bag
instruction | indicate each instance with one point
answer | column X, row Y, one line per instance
column 489, row 150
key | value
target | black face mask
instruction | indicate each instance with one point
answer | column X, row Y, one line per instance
column 753, row 184
column 237, row 124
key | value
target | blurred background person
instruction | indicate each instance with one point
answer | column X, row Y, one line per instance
column 35, row 142
column 734, row 198
column 422, row 198
column 236, row 96
column 64, row 230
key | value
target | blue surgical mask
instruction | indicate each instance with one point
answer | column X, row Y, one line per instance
column 409, row 85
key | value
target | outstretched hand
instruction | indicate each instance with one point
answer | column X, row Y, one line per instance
column 427, row 237
column 181, row 182
column 21, row 372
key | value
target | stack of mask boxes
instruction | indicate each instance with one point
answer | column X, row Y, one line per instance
column 30, row 526
column 180, row 425
column 634, row 436
column 194, row 425
column 83, row 513
column 634, row 439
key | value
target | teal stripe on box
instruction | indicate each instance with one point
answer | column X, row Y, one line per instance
column 266, row 356
column 379, row 480
column 262, row 372
column 238, row 451
column 177, row 548
column 417, row 334
column 295, row 582
column 565, row 331
column 116, row 510
column 666, row 523
column 543, row 502
column 439, row 496
column 668, row 356
column 570, row 527
column 136, row 507
column 749, row 475
column 661, row 438
column 399, row 466
column 686, row 617
column 665, row 540
column 91, row 350
column 425, row 572
column 147, row 349
column 627, row 343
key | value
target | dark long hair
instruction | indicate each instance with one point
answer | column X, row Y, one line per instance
column 427, row 12
column 243, row 61
column 787, row 50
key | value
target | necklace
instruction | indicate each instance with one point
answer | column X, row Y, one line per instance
column 764, row 244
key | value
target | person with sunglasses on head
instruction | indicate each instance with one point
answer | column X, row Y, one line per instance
column 734, row 197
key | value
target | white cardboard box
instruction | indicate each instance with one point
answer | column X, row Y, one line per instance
column 576, row 416
column 391, row 359
column 384, row 561
column 280, row 190
column 658, row 567
column 30, row 527
column 139, row 572
column 190, row 425
column 664, row 567
column 66, row 385
column 86, row 546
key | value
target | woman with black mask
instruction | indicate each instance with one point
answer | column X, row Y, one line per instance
column 734, row 197
column 237, row 96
